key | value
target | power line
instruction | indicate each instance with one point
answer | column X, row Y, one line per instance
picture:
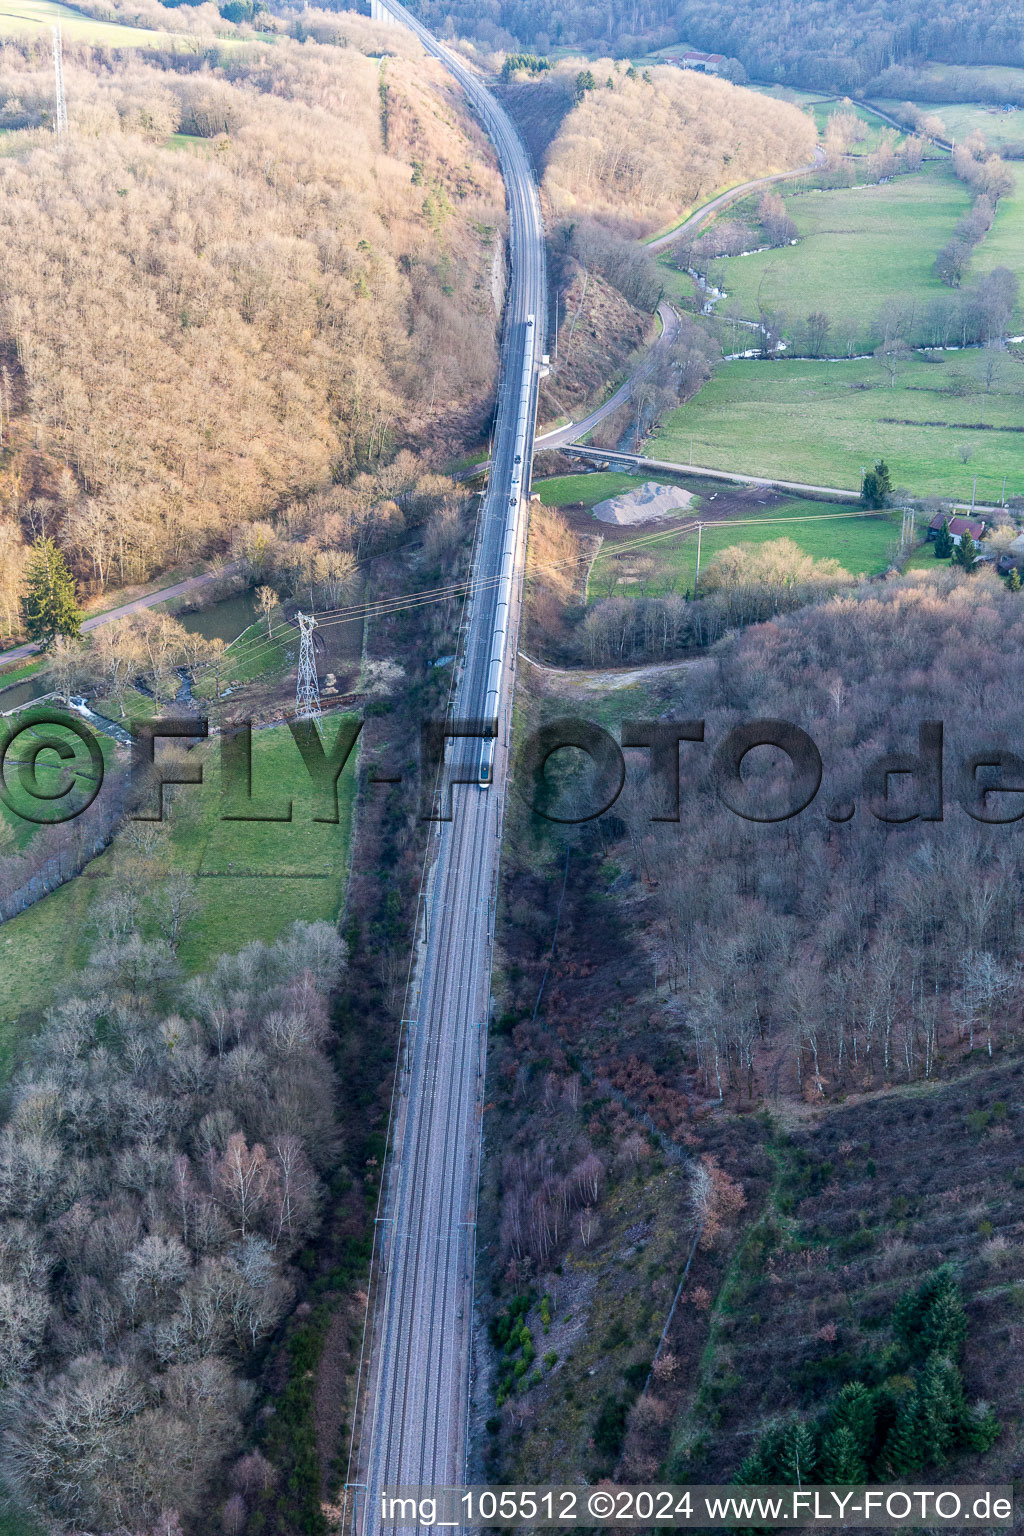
column 250, row 649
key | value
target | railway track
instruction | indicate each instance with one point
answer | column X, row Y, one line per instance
column 414, row 1390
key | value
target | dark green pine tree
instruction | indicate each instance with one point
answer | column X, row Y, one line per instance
column 932, row 1317
column 841, row 1459
column 980, row 1429
column 883, row 481
column 869, row 490
column 49, row 605
column 901, row 1453
column 1013, row 580
column 856, row 1410
column 942, row 1409
column 762, row 1464
column 944, row 542
column 944, row 1324
column 798, row 1457
column 966, row 552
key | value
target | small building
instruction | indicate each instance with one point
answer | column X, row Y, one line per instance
column 958, row 526
column 1012, row 555
column 705, row 63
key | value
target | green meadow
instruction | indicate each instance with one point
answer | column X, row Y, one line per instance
column 873, row 126
column 19, row 16
column 588, row 490
column 252, row 878
column 1003, row 246
column 822, row 423
column 862, row 543
column 47, row 772
column 960, row 118
column 859, row 247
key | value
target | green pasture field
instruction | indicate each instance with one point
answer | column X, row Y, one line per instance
column 821, row 422
column 31, row 15
column 1000, row 77
column 588, row 490
column 48, row 774
column 17, row 674
column 186, row 141
column 1003, row 246
column 821, row 111
column 859, row 247
column 862, row 544
column 961, row 118
column 792, row 93
column 253, row 879
column 252, row 655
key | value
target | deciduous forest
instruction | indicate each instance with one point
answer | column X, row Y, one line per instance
column 641, row 149
column 829, row 45
column 238, row 283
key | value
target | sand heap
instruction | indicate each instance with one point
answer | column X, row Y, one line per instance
column 644, row 505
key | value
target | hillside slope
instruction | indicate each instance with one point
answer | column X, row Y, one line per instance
column 640, row 150
column 236, row 284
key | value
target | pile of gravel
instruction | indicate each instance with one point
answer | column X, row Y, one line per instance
column 644, row 505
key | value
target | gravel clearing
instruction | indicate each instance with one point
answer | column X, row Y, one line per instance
column 644, row 505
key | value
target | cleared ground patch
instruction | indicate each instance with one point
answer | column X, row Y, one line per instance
column 859, row 247
column 588, row 490
column 824, row 422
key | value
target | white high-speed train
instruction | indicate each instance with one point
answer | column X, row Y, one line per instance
column 510, row 543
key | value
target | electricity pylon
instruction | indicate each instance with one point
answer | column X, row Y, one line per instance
column 61, row 122
column 307, row 685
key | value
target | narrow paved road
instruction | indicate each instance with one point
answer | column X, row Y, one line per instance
column 702, row 215
column 573, row 430
column 415, row 1378
column 148, row 600
column 639, row 461
column 830, row 492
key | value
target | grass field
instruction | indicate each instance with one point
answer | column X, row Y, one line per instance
column 17, row 673
column 961, row 118
column 821, row 111
column 588, row 490
column 858, row 248
column 861, row 543
column 252, row 655
column 18, row 16
column 793, row 93
column 982, row 77
column 253, row 879
column 1004, row 244
column 819, row 423
column 48, row 775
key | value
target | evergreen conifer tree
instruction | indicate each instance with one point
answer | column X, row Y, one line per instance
column 944, row 1324
column 49, row 605
column 855, row 1410
column 901, row 1453
column 943, row 1409
column 966, row 552
column 798, row 1456
column 944, row 542
column 841, row 1459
